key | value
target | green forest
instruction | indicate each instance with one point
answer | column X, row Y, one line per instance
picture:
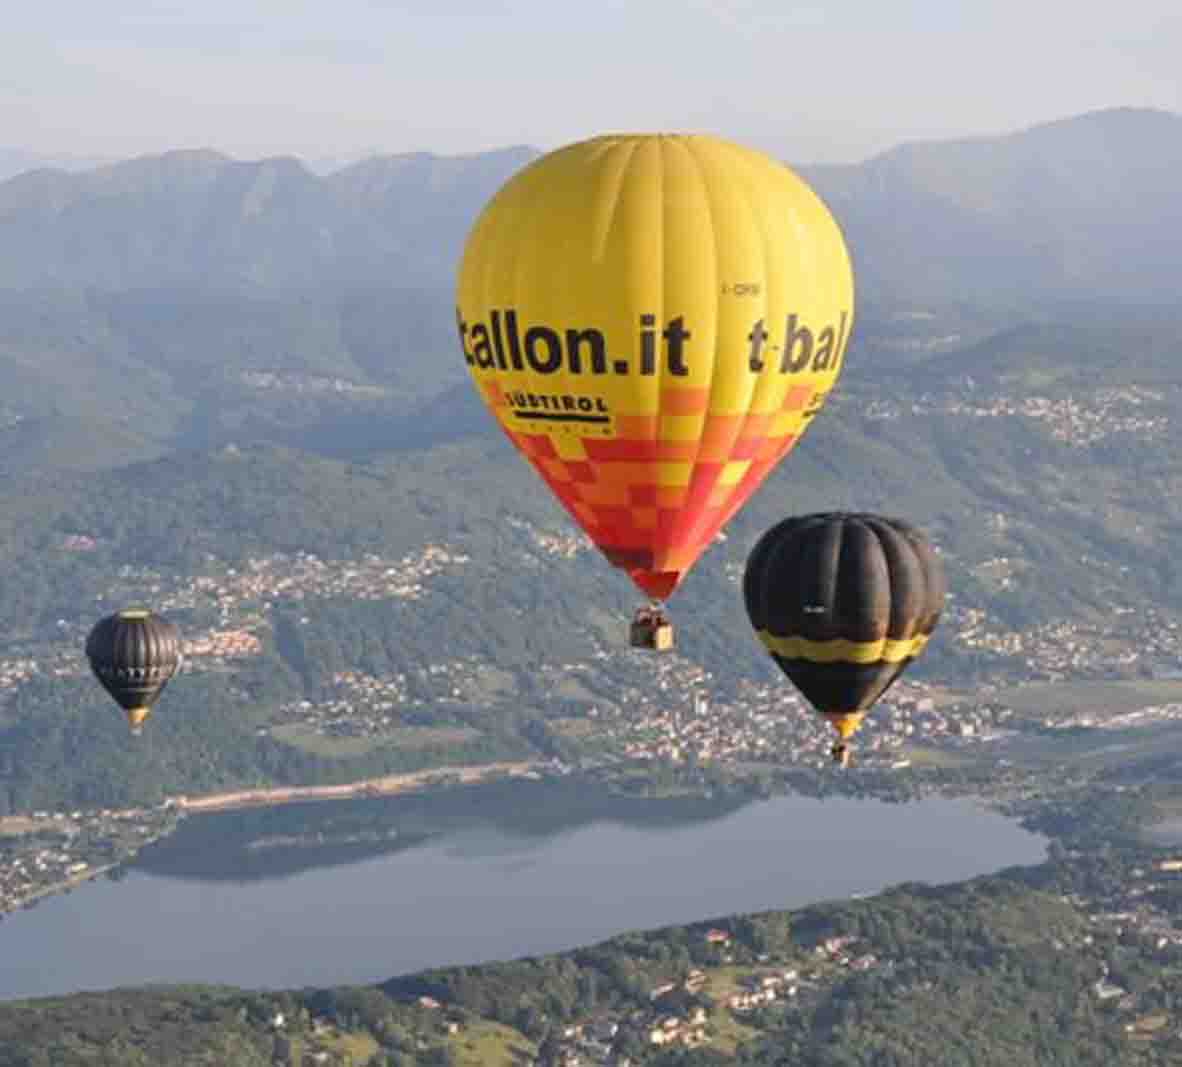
column 1068, row 484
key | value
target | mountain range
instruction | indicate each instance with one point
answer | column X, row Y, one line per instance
column 191, row 299
column 1086, row 208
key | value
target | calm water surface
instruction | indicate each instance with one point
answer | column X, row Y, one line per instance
column 360, row 891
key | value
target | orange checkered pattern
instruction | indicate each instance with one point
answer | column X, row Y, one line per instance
column 652, row 503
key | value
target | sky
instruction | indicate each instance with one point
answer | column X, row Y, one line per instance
column 818, row 81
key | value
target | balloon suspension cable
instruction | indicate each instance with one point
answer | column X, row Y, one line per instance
column 654, row 610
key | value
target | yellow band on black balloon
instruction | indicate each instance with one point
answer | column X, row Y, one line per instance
column 839, row 650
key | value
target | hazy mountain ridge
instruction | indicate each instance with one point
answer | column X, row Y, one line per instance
column 189, row 364
column 196, row 295
column 14, row 161
column 1085, row 206
column 76, row 443
column 197, row 217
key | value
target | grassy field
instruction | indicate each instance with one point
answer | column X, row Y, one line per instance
column 573, row 689
column 1163, row 828
column 575, row 729
column 922, row 756
column 493, row 683
column 355, row 1048
column 489, row 1044
column 1088, row 749
column 351, row 1050
column 1056, row 699
column 405, row 737
column 728, row 1032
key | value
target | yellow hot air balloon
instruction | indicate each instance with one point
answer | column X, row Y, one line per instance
column 653, row 320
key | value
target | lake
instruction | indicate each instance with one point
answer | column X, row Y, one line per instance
column 359, row 891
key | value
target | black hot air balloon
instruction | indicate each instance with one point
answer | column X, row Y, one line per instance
column 133, row 654
column 843, row 602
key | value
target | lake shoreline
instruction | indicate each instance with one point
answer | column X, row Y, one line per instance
column 385, row 785
column 507, row 869
column 16, row 826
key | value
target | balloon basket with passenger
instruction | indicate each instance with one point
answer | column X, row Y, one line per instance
column 844, row 724
column 651, row 629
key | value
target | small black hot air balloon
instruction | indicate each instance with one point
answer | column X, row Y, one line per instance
column 843, row 602
column 133, row 654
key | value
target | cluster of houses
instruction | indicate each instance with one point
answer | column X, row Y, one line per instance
column 674, row 720
column 282, row 381
column 222, row 645
column 1129, row 911
column 1133, row 910
column 837, row 951
column 910, row 712
column 305, row 575
column 298, row 576
column 240, row 596
column 25, row 875
column 43, row 852
column 596, row 1041
column 563, row 546
column 15, row 671
column 1059, row 650
column 364, row 706
column 1002, row 571
column 689, row 1030
column 1072, row 420
column 77, row 542
column 756, row 990
column 1122, row 721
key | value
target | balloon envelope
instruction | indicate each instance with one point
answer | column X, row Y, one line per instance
column 653, row 320
column 134, row 653
column 843, row 602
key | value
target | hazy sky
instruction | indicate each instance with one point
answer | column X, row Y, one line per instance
column 827, row 80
